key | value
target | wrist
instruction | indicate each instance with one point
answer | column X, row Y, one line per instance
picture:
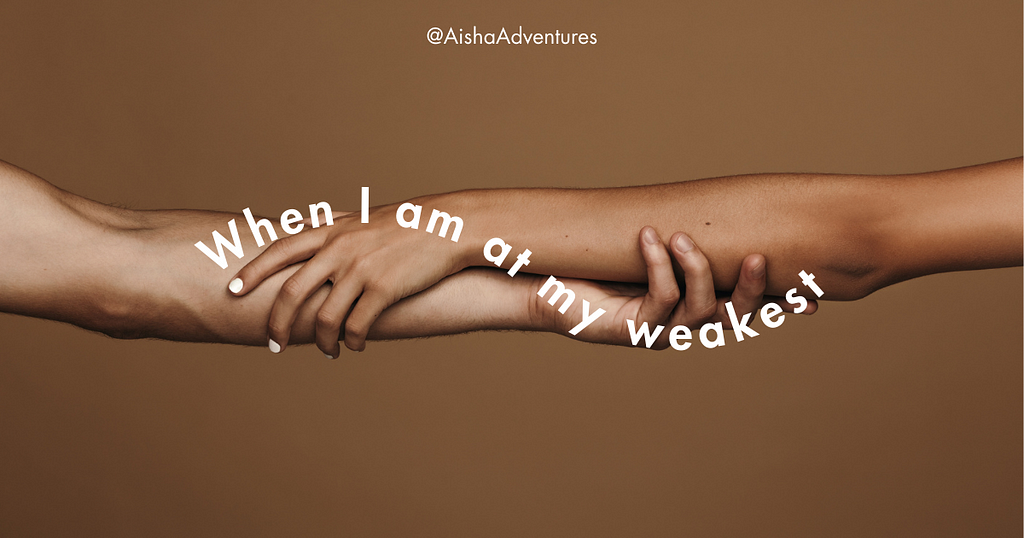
column 540, row 316
column 466, row 251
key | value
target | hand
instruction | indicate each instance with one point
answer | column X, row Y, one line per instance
column 660, row 302
column 371, row 266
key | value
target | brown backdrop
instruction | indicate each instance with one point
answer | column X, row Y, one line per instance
column 896, row 415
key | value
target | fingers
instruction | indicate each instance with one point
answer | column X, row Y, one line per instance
column 662, row 289
column 366, row 311
column 700, row 302
column 280, row 254
column 293, row 293
column 330, row 317
column 748, row 295
column 749, row 292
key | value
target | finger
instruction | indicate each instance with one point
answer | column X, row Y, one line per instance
column 330, row 317
column 700, row 303
column 749, row 292
column 295, row 290
column 280, row 254
column 367, row 310
column 662, row 289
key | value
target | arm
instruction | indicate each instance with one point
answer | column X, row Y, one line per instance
column 855, row 233
column 136, row 274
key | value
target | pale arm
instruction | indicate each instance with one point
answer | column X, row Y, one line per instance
column 136, row 274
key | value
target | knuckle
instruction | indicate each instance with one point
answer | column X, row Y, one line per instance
column 696, row 265
column 291, row 289
column 669, row 298
column 355, row 330
column 653, row 259
column 702, row 272
column 360, row 265
column 284, row 247
column 278, row 327
column 328, row 320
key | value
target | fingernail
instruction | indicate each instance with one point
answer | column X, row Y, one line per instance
column 650, row 237
column 329, row 356
column 758, row 271
column 683, row 243
column 235, row 286
column 274, row 346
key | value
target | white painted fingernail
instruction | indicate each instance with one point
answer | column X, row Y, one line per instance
column 328, row 356
column 274, row 346
column 236, row 285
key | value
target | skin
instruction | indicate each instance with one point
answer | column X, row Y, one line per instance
column 137, row 274
column 856, row 234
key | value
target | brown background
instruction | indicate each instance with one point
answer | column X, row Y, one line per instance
column 896, row 415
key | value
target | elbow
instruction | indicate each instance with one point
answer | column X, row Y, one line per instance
column 856, row 283
column 855, row 268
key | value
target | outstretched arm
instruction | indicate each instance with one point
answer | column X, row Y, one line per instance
column 855, row 233
column 136, row 274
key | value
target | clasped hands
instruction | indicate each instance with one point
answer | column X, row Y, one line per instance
column 373, row 266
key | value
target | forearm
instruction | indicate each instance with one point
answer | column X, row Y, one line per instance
column 856, row 233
